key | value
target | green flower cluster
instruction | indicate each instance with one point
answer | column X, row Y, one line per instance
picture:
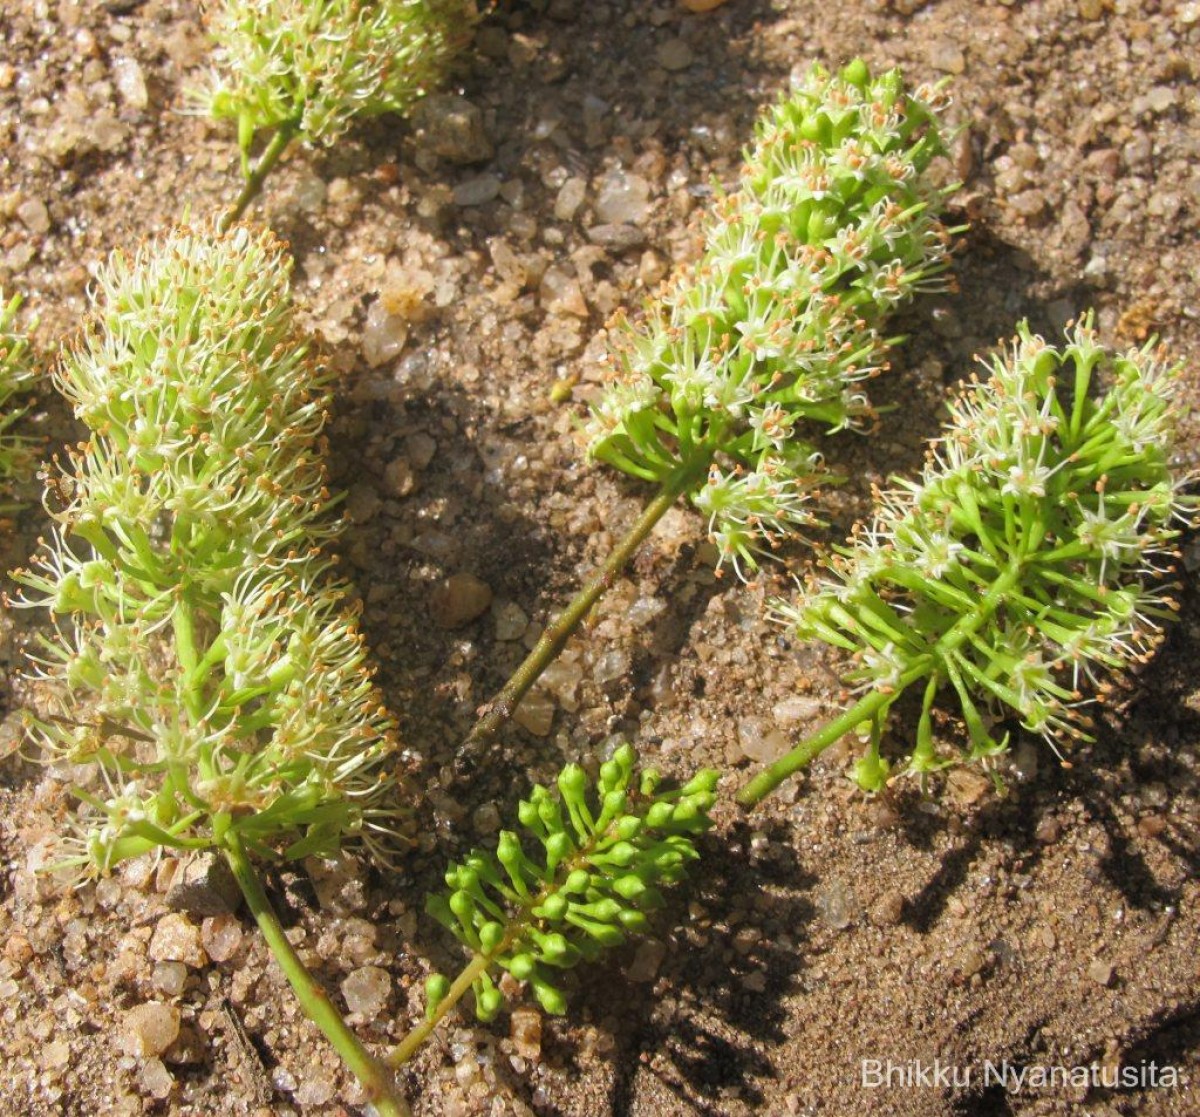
column 1029, row 562
column 771, row 335
column 310, row 66
column 223, row 670
column 592, row 882
column 15, row 379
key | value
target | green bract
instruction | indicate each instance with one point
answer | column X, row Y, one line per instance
column 1028, row 563
column 600, row 860
column 15, row 378
column 310, row 66
column 770, row 336
column 208, row 666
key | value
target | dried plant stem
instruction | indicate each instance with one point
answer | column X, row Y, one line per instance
column 257, row 175
column 374, row 1076
column 500, row 710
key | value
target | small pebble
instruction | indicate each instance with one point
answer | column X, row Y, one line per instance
column 611, row 666
column 486, row 819
column 837, row 905
column 888, row 910
column 647, row 961
column 155, row 1080
column 525, row 1027
column 316, row 1090
column 130, row 83
column 1048, row 830
column 510, row 619
column 177, row 939
column 477, row 191
column 674, row 55
column 169, row 978
column 796, row 710
column 221, row 935
column 560, row 293
column 339, row 884
column 34, row 215
column 947, row 57
column 618, row 238
column 384, row 335
column 367, row 990
column 206, row 886
column 623, row 198
column 570, row 198
column 1151, row 825
column 535, row 713
column 1028, row 204
column 761, row 743
column 966, row 786
column 459, row 600
column 451, row 128
column 399, row 480
column 363, row 502
column 562, row 679
column 1101, row 972
column 151, row 1028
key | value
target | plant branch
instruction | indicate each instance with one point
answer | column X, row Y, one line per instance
column 280, row 142
column 501, row 708
column 809, row 749
column 373, row 1075
column 475, row 969
column 871, row 704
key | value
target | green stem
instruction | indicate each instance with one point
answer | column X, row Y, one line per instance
column 254, row 180
column 477, row 967
column 374, row 1076
column 869, row 705
column 559, row 630
column 184, row 624
column 808, row 750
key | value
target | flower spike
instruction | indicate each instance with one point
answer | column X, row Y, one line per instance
column 16, row 376
column 770, row 337
column 1030, row 562
column 308, row 67
column 207, row 663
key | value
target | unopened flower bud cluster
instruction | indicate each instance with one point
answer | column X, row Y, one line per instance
column 207, row 664
column 1031, row 560
column 772, row 334
column 592, row 882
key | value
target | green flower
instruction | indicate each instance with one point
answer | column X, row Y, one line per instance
column 772, row 335
column 583, row 877
column 1030, row 563
column 310, row 66
column 207, row 663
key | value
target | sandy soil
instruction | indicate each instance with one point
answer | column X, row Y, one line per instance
column 1056, row 927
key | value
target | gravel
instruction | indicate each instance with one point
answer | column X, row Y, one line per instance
column 589, row 140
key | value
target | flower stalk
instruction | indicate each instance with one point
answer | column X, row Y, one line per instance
column 1029, row 565
column 769, row 338
column 374, row 1075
